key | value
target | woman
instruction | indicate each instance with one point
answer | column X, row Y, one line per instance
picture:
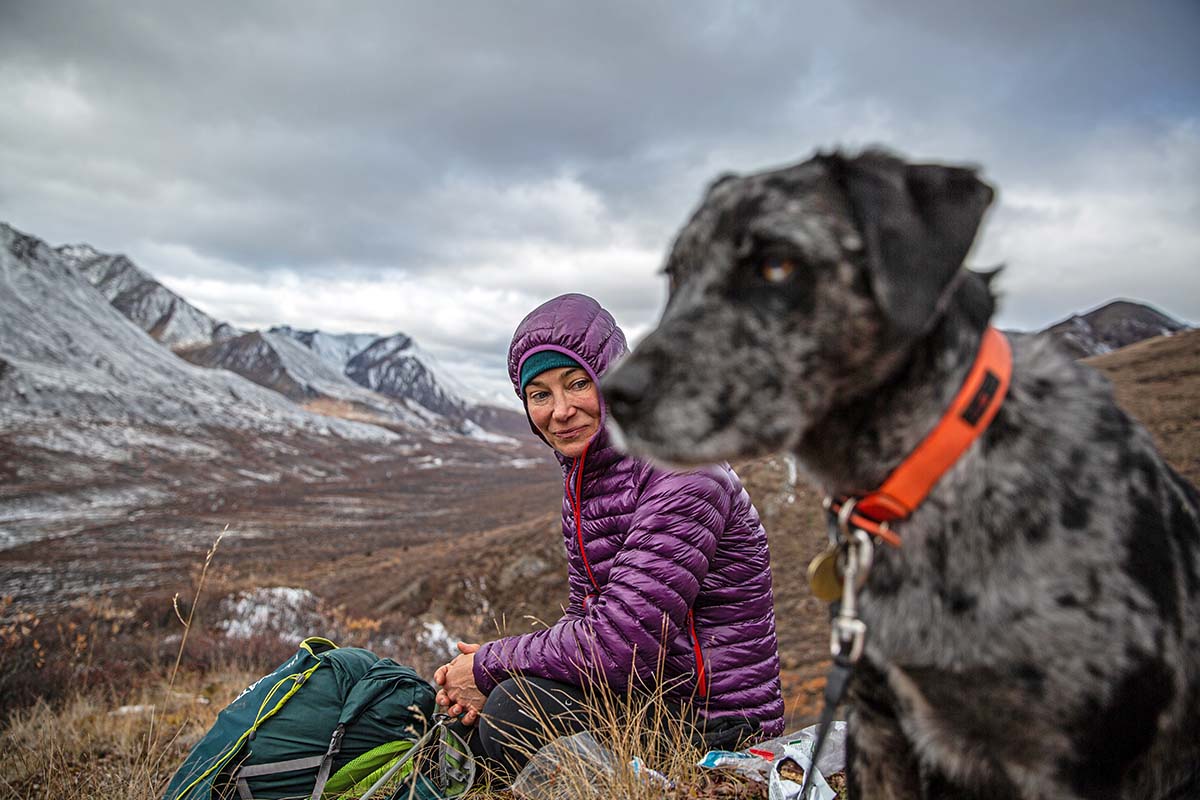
column 670, row 583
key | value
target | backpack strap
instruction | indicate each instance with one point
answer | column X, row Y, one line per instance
column 255, row 770
column 324, row 763
column 335, row 747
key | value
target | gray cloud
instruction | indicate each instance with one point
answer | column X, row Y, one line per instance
column 519, row 150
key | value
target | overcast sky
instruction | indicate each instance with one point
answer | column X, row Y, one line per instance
column 441, row 168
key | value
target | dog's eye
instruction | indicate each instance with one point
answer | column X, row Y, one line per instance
column 777, row 270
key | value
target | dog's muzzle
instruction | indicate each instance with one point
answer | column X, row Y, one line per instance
column 626, row 390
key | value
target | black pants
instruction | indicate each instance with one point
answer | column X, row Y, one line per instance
column 523, row 714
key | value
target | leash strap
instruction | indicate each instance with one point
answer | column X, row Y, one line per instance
column 848, row 634
column 835, row 689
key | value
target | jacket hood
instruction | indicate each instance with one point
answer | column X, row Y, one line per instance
column 573, row 324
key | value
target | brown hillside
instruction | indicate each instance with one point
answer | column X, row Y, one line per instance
column 1158, row 382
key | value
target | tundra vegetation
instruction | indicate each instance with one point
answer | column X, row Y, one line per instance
column 103, row 697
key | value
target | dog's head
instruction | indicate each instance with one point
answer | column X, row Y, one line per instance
column 792, row 291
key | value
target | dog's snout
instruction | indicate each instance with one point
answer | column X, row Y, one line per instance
column 626, row 386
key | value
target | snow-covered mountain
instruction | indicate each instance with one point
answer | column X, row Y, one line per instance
column 1111, row 327
column 283, row 364
column 99, row 421
column 153, row 307
column 396, row 367
column 68, row 354
column 311, row 367
column 335, row 349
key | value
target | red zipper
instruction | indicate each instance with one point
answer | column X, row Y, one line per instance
column 701, row 680
column 576, row 505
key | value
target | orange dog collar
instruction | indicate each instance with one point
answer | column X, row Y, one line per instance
column 968, row 415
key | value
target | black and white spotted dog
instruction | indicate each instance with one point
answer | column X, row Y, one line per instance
column 1037, row 633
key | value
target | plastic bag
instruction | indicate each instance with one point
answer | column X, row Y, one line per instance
column 833, row 752
column 567, row 768
column 574, row 767
column 638, row 767
column 757, row 762
column 781, row 787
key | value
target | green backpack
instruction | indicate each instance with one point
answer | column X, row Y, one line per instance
column 329, row 722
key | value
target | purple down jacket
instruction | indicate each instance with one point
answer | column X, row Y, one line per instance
column 654, row 557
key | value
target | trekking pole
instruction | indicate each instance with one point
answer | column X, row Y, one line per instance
column 404, row 759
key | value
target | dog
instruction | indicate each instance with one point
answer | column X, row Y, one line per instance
column 1036, row 634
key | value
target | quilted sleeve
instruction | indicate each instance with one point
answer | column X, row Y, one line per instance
column 654, row 581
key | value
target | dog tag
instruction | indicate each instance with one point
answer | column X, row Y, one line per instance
column 824, row 577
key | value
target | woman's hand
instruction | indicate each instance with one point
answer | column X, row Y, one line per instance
column 457, row 682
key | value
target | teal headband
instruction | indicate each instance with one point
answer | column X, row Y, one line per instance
column 539, row 362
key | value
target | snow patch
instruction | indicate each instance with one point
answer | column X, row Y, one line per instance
column 438, row 639
column 524, row 463
column 473, row 431
column 287, row 611
column 264, row 477
column 428, row 462
column 78, row 252
column 100, row 506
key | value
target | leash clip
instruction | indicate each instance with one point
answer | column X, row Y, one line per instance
column 860, row 552
column 848, row 634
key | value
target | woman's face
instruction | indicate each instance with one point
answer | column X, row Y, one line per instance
column 564, row 405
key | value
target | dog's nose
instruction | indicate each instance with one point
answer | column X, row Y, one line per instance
column 625, row 387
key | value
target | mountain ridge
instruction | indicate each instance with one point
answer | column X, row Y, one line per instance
column 1111, row 326
column 413, row 389
column 284, row 365
column 334, row 348
column 166, row 316
column 78, row 354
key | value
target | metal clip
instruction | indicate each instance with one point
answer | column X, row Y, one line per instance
column 844, row 514
column 859, row 544
column 849, row 632
column 335, row 742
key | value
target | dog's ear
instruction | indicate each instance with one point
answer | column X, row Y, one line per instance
column 723, row 178
column 917, row 222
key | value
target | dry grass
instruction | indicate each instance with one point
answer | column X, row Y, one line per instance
column 124, row 740
column 125, row 747
column 98, row 745
column 1158, row 381
column 634, row 748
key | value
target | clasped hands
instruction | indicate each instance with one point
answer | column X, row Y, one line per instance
column 458, row 692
